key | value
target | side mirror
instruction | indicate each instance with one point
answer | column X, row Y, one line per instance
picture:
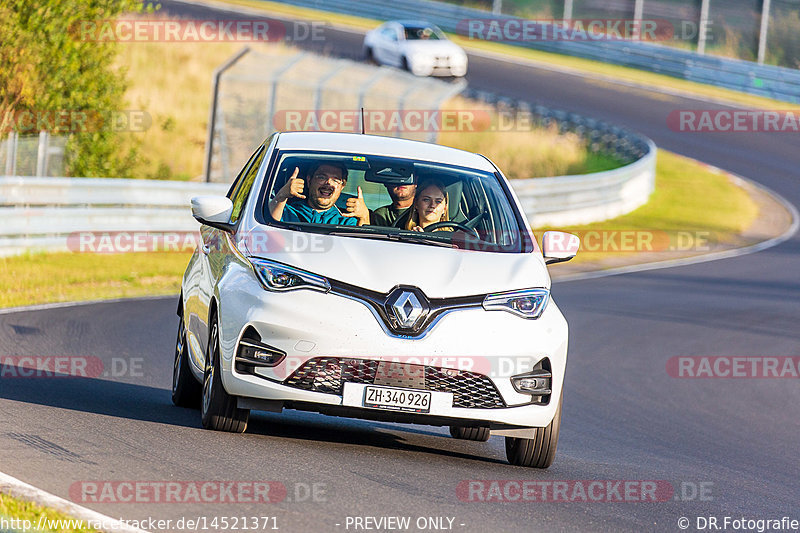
column 558, row 246
column 214, row 211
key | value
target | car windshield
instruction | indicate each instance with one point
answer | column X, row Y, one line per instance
column 423, row 33
column 401, row 199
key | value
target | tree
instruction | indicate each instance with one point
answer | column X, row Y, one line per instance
column 54, row 78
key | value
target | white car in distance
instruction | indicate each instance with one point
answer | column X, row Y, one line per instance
column 435, row 313
column 416, row 46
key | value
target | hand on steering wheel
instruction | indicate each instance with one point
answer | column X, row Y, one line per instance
column 451, row 224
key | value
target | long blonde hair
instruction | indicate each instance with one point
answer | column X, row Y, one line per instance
column 413, row 220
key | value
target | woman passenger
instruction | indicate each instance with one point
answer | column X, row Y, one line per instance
column 430, row 206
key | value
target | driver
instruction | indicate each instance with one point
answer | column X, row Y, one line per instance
column 325, row 186
column 430, row 206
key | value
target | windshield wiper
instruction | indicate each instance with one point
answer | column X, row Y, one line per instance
column 401, row 237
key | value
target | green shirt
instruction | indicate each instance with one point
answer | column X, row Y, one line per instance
column 387, row 215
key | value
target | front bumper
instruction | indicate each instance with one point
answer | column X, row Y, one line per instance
column 309, row 325
column 438, row 67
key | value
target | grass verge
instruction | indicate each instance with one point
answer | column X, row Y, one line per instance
column 24, row 512
column 174, row 144
column 689, row 198
column 576, row 64
column 65, row 277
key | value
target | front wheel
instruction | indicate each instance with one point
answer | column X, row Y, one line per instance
column 369, row 56
column 538, row 452
column 219, row 410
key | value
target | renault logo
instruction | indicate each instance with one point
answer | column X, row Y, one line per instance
column 406, row 308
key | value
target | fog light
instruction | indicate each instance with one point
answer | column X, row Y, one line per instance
column 254, row 353
column 535, row 383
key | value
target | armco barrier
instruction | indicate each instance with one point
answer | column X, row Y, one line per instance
column 762, row 80
column 40, row 213
column 569, row 200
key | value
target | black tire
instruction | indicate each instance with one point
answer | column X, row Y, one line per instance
column 186, row 389
column 219, row 410
column 404, row 64
column 369, row 57
column 538, row 452
column 477, row 434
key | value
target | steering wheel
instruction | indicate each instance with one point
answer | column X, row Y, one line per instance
column 451, row 224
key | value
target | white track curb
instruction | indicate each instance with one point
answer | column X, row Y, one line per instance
column 19, row 489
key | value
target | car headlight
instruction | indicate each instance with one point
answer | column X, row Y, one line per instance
column 277, row 277
column 527, row 303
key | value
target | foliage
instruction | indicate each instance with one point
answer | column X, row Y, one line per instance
column 63, row 78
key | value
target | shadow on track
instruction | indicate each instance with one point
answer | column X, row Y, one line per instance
column 299, row 425
column 151, row 404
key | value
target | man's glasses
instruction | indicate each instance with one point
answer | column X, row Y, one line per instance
column 328, row 177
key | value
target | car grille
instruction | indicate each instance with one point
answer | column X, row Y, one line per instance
column 328, row 374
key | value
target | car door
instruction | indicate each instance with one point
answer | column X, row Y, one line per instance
column 387, row 47
column 211, row 258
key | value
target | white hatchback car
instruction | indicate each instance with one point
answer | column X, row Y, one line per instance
column 375, row 278
column 416, row 46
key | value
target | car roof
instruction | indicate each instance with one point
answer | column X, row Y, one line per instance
column 378, row 145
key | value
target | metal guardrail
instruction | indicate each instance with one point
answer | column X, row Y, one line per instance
column 42, row 213
column 572, row 200
column 762, row 80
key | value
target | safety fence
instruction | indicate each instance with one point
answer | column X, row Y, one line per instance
column 278, row 89
column 32, row 155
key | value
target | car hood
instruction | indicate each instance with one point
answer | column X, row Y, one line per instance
column 381, row 265
column 432, row 47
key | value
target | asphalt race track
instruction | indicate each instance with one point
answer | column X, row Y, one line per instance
column 624, row 418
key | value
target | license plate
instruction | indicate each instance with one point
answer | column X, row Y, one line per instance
column 397, row 399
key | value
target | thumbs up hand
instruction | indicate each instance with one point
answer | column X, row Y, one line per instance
column 357, row 208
